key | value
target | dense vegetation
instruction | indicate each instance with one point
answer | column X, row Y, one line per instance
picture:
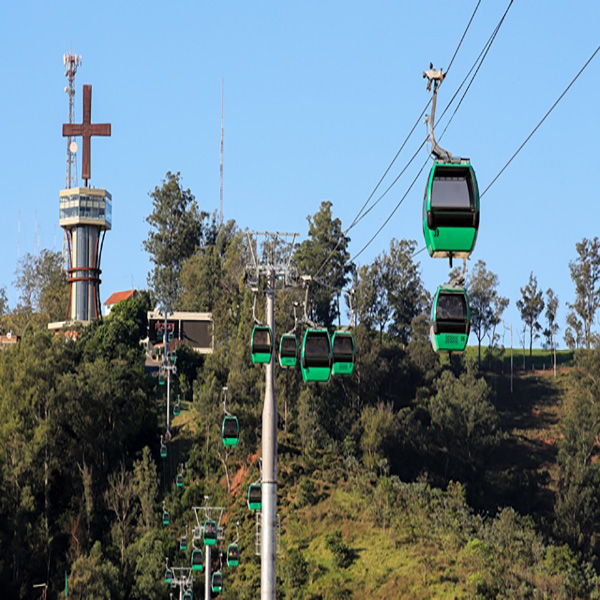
column 417, row 477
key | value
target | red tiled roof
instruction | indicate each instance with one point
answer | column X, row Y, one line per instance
column 119, row 297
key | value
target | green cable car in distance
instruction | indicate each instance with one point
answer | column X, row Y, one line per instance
column 166, row 517
column 230, row 431
column 451, row 209
column 183, row 543
column 261, row 344
column 233, row 555
column 255, row 496
column 317, row 356
column 188, row 595
column 450, row 319
column 197, row 560
column 288, row 350
column 209, row 533
column 344, row 352
column 217, row 582
column 168, row 576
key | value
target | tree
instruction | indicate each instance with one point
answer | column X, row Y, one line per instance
column 42, row 284
column 531, row 305
column 585, row 273
column 324, row 254
column 93, row 576
column 405, row 291
column 574, row 331
column 177, row 231
column 390, row 292
column 486, row 305
column 146, row 487
column 551, row 310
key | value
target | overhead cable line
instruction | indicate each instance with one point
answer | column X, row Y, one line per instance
column 478, row 62
column 543, row 119
column 358, row 216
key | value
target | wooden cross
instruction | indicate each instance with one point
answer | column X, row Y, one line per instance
column 86, row 129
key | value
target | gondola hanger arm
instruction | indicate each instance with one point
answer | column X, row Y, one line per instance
column 435, row 77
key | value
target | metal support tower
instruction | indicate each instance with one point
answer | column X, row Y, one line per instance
column 271, row 255
column 71, row 62
column 197, row 533
column 221, row 163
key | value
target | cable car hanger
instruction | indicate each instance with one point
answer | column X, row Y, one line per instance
column 435, row 76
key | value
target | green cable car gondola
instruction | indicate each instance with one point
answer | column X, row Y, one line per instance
column 163, row 451
column 197, row 560
column 166, row 517
column 179, row 480
column 176, row 409
column 209, row 533
column 168, row 576
column 317, row 356
column 230, row 431
column 450, row 319
column 255, row 496
column 288, row 350
column 451, row 210
column 233, row 555
column 344, row 352
column 261, row 344
column 183, row 543
column 217, row 582
column 188, row 595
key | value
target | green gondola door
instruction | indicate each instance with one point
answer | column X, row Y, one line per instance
column 217, row 582
column 317, row 356
column 288, row 350
column 230, row 431
column 261, row 344
column 451, row 210
column 233, row 555
column 450, row 319
column 197, row 560
column 344, row 353
column 255, row 496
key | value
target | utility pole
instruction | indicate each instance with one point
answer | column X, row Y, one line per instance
column 271, row 255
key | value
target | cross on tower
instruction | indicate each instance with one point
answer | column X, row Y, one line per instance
column 86, row 130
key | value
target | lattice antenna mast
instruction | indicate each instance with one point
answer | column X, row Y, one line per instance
column 71, row 62
column 221, row 163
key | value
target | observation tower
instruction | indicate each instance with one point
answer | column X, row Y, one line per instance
column 86, row 216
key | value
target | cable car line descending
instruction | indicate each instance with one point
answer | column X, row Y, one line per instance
column 360, row 214
column 589, row 60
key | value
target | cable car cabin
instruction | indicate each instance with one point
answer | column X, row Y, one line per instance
column 344, row 352
column 179, row 480
column 450, row 319
column 233, row 555
column 317, row 356
column 183, row 544
column 261, row 344
column 163, row 451
column 168, row 576
column 197, row 560
column 217, row 582
column 188, row 595
column 230, row 431
column 176, row 409
column 209, row 532
column 288, row 350
column 255, row 496
column 166, row 517
column 451, row 210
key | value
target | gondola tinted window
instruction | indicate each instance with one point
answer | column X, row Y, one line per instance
column 317, row 346
column 451, row 307
column 450, row 192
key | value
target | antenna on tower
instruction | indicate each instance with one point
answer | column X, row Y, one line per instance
column 221, row 163
column 71, row 62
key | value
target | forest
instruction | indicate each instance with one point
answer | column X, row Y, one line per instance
column 418, row 476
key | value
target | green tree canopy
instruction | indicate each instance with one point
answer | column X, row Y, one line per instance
column 176, row 232
column 324, row 254
column 585, row 273
column 531, row 306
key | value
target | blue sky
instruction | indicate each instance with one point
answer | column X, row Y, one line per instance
column 319, row 96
